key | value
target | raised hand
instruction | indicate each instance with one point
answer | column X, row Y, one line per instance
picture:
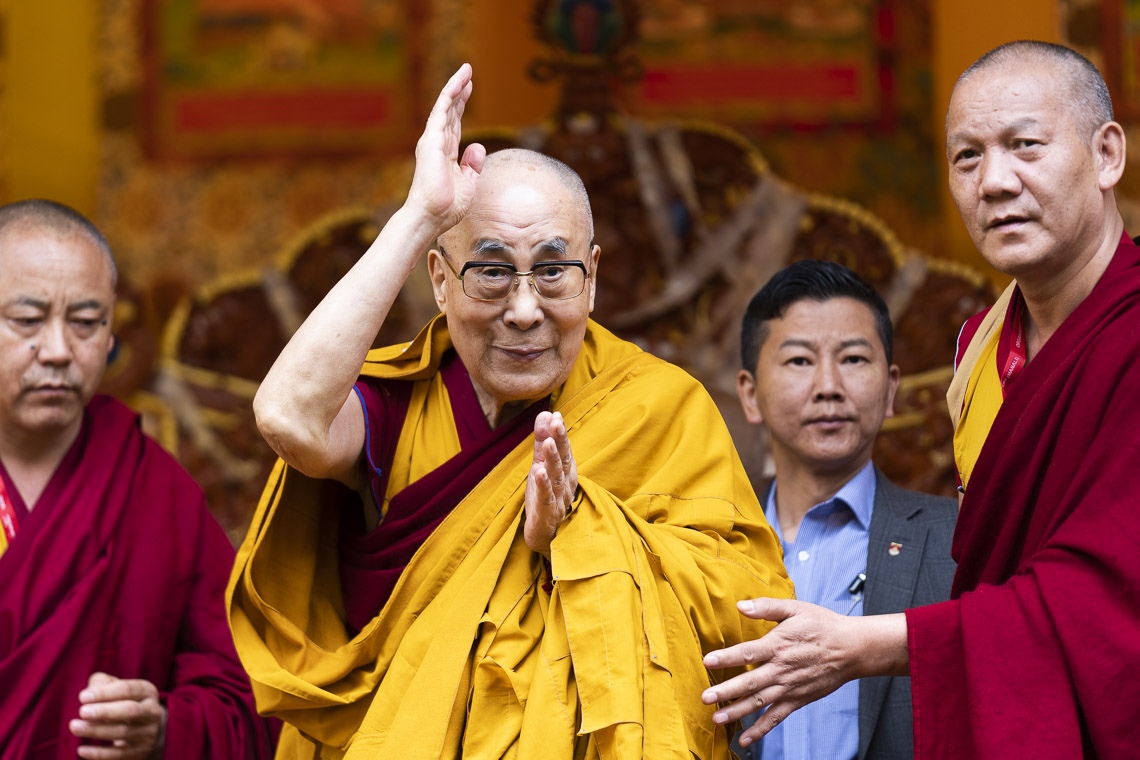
column 443, row 185
column 124, row 712
column 551, row 484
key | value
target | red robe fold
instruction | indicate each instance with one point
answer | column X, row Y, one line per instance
column 120, row 568
column 370, row 564
column 1037, row 655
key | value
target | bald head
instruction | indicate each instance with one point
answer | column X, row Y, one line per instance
column 520, row 159
column 1087, row 92
column 56, row 218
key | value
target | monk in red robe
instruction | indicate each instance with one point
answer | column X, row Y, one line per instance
column 1036, row 654
column 113, row 636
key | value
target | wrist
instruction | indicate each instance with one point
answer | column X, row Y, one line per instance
column 879, row 646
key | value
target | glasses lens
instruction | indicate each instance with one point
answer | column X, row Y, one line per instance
column 557, row 281
column 488, row 282
column 552, row 280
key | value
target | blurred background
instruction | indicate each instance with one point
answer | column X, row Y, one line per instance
column 240, row 154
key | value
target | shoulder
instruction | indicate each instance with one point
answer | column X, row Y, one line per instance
column 116, row 425
column 914, row 504
column 967, row 333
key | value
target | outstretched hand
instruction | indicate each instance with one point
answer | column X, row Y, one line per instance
column 551, row 484
column 443, row 185
column 809, row 654
column 125, row 713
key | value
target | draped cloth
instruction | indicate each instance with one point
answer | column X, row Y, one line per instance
column 470, row 656
column 1036, row 654
column 120, row 568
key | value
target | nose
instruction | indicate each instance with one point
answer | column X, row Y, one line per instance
column 53, row 346
column 524, row 307
column 828, row 381
column 998, row 176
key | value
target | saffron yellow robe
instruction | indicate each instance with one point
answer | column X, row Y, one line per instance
column 470, row 656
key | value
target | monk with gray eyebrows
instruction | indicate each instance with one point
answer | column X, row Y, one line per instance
column 513, row 535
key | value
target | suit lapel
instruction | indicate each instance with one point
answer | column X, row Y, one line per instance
column 894, row 553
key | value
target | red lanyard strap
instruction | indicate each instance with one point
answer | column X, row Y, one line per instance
column 8, row 519
column 1016, row 359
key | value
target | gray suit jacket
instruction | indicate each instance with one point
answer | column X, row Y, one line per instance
column 919, row 573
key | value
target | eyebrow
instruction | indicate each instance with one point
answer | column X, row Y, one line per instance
column 1027, row 122
column 812, row 345
column 90, row 303
column 36, row 303
column 557, row 246
column 486, row 246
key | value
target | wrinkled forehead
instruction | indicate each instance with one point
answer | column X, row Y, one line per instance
column 1032, row 83
column 29, row 253
column 520, row 208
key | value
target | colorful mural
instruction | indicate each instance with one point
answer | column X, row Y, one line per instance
column 766, row 61
column 251, row 78
column 176, row 224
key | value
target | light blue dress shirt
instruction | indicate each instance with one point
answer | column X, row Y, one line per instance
column 828, row 554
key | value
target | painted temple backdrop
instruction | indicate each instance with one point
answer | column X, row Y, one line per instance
column 249, row 150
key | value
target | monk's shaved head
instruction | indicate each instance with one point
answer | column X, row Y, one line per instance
column 1086, row 92
column 60, row 220
column 519, row 160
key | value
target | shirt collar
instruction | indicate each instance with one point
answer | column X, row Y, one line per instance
column 857, row 494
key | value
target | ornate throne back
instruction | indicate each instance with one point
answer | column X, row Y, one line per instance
column 691, row 222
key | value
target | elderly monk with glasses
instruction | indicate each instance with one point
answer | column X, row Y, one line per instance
column 514, row 536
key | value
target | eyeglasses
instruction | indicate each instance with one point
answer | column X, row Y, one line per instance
column 495, row 280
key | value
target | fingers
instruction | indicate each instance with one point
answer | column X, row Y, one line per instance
column 454, row 94
column 552, row 482
column 551, row 426
column 741, row 685
column 126, row 712
column 765, row 723
column 473, row 156
column 104, row 688
column 552, row 450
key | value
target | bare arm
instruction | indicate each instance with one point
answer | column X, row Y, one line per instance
column 811, row 653
column 305, row 407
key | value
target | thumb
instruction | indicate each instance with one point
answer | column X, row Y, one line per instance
column 98, row 679
column 769, row 608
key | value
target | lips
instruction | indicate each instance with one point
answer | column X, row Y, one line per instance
column 522, row 352
column 830, row 421
column 51, row 389
column 1006, row 221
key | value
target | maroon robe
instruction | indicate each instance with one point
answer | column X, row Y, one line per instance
column 1037, row 655
column 371, row 563
column 120, row 568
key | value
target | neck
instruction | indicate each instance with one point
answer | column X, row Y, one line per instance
column 498, row 415
column 1049, row 301
column 800, row 487
column 32, row 459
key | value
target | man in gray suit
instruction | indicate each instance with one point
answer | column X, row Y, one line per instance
column 816, row 344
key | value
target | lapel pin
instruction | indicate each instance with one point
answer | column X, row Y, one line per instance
column 894, row 548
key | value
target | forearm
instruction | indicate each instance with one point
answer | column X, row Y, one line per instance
column 879, row 646
column 309, row 382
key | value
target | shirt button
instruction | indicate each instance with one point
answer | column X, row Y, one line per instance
column 803, row 556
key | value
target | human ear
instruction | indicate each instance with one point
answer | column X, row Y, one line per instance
column 437, row 270
column 893, row 377
column 592, row 264
column 746, row 391
column 1109, row 147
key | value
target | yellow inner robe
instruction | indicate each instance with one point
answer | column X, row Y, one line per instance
column 975, row 394
column 470, row 657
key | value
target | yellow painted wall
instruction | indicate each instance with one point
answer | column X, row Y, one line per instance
column 51, row 140
column 963, row 30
